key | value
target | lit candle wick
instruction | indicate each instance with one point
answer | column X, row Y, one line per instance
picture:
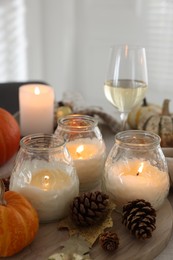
column 78, row 154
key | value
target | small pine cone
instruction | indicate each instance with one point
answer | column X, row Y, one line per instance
column 89, row 208
column 109, row 241
column 140, row 218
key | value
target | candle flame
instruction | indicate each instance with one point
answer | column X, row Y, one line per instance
column 140, row 168
column 36, row 91
column 79, row 149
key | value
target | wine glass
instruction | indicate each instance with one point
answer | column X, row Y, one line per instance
column 127, row 78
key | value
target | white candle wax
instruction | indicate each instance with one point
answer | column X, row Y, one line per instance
column 36, row 102
column 89, row 158
column 137, row 180
column 50, row 191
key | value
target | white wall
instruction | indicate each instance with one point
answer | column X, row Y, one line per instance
column 13, row 60
column 51, row 28
column 34, row 29
column 69, row 42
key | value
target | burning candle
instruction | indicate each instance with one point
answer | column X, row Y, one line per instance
column 50, row 191
column 36, row 102
column 137, row 179
column 44, row 173
column 136, row 169
column 88, row 156
column 86, row 146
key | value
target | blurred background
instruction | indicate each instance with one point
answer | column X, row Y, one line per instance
column 66, row 43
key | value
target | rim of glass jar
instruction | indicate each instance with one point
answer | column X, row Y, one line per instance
column 125, row 45
column 28, row 140
column 92, row 122
column 154, row 140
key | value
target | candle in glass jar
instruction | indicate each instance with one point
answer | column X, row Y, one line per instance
column 36, row 102
column 89, row 158
column 50, row 191
column 137, row 179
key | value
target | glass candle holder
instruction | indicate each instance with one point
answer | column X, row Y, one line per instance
column 44, row 173
column 86, row 146
column 136, row 169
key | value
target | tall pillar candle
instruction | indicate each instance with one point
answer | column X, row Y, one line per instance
column 36, row 103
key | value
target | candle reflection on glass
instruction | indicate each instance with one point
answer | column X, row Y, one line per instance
column 48, row 180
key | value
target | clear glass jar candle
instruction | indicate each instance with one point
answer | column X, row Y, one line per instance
column 136, row 169
column 44, row 173
column 86, row 146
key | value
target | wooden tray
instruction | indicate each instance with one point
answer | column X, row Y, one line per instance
column 133, row 249
column 48, row 238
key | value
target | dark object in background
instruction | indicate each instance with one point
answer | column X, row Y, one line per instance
column 9, row 94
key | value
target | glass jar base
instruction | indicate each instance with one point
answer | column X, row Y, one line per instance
column 156, row 203
column 88, row 187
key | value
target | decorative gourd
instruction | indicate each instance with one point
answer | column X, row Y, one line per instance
column 161, row 124
column 18, row 222
column 9, row 136
column 139, row 111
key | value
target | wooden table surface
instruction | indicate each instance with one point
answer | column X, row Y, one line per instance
column 48, row 238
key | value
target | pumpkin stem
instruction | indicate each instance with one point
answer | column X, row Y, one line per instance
column 2, row 191
column 145, row 103
column 165, row 107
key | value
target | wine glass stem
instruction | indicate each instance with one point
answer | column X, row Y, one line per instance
column 123, row 117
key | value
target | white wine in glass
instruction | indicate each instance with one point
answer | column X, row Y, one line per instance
column 127, row 79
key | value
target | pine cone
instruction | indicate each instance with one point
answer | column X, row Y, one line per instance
column 140, row 218
column 109, row 241
column 89, row 208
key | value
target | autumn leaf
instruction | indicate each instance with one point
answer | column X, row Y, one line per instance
column 90, row 233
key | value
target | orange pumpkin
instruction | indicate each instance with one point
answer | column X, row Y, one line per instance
column 9, row 136
column 18, row 222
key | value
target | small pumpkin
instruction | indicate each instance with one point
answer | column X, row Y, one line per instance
column 9, row 136
column 161, row 124
column 18, row 222
column 139, row 111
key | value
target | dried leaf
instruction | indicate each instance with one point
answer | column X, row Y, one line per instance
column 90, row 234
column 63, row 256
column 75, row 244
column 73, row 248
